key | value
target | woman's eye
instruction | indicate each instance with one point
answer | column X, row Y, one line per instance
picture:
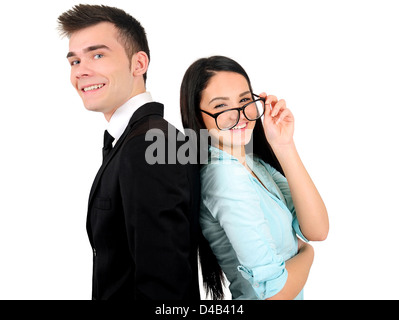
column 220, row 106
column 98, row 56
column 245, row 100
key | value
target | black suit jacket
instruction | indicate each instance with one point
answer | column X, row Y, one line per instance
column 143, row 219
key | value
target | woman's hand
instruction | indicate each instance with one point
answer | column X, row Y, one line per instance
column 278, row 121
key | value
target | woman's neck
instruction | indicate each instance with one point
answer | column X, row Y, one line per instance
column 236, row 152
column 239, row 153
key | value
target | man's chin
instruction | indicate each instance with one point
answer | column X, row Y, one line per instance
column 94, row 108
column 107, row 111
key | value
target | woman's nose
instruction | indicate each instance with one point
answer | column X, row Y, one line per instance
column 242, row 116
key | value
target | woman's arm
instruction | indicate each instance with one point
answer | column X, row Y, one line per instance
column 311, row 211
column 298, row 268
column 309, row 206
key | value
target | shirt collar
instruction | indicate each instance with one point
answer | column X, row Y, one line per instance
column 121, row 117
column 219, row 154
column 216, row 155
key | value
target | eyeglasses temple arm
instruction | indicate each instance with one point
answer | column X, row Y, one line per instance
column 209, row 114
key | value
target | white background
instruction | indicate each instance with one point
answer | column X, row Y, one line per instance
column 335, row 63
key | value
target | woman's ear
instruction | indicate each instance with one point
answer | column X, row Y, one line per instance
column 140, row 63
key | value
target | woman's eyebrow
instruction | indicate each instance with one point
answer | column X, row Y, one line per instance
column 244, row 93
column 227, row 98
column 219, row 98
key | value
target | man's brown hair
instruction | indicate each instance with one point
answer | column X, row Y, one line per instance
column 132, row 35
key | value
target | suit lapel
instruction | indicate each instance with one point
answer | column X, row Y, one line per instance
column 152, row 108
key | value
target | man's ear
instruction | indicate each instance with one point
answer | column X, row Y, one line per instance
column 139, row 63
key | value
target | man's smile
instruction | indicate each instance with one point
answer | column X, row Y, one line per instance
column 93, row 87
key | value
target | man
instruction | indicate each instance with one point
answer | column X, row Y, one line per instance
column 142, row 218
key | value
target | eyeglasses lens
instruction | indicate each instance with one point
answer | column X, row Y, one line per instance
column 230, row 118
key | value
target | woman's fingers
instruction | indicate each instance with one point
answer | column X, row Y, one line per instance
column 284, row 114
column 277, row 107
column 272, row 100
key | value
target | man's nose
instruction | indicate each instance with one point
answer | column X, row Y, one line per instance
column 82, row 70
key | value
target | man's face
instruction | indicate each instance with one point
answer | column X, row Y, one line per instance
column 100, row 68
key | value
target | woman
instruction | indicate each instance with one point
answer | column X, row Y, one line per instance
column 253, row 206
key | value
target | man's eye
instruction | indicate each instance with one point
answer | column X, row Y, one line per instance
column 98, row 56
column 75, row 62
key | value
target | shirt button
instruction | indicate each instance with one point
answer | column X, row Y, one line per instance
column 256, row 284
column 94, row 252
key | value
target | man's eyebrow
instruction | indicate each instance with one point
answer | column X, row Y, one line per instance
column 88, row 49
column 71, row 54
column 96, row 47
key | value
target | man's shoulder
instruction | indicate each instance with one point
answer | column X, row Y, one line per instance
column 153, row 125
column 148, row 120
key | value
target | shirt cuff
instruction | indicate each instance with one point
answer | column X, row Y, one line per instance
column 266, row 281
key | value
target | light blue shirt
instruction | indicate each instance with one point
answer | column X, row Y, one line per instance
column 251, row 229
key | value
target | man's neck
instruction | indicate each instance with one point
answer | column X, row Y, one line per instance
column 139, row 89
column 120, row 118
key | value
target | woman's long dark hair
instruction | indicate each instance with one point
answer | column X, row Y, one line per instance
column 195, row 80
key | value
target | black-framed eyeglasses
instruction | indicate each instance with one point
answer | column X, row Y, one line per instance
column 228, row 119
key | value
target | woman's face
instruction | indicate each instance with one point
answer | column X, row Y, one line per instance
column 227, row 90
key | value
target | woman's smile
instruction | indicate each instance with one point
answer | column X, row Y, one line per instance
column 241, row 126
